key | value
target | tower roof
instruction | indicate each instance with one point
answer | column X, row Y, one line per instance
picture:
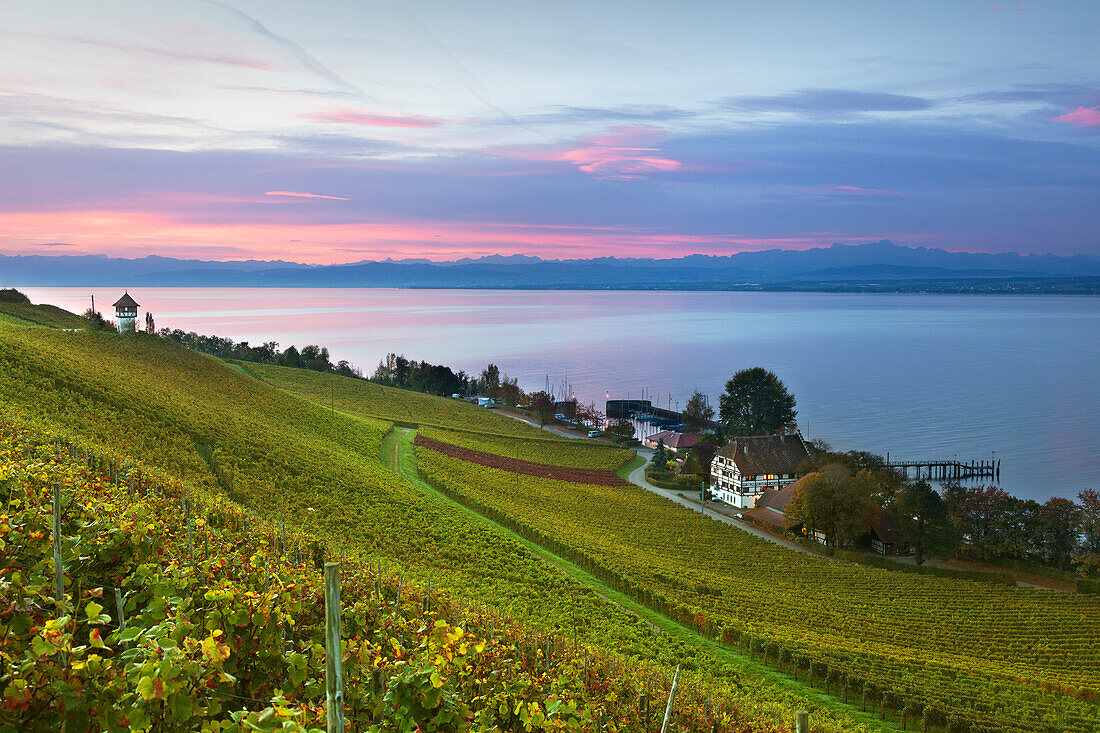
column 126, row 301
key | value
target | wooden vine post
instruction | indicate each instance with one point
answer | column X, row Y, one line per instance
column 334, row 678
column 58, row 568
column 671, row 697
column 802, row 722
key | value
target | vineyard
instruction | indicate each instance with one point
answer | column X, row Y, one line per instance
column 177, row 417
column 963, row 655
column 367, row 399
column 179, row 615
column 557, row 452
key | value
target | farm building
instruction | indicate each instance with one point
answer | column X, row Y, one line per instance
column 674, row 441
column 746, row 467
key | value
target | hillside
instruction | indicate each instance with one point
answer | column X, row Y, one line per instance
column 285, row 461
column 187, row 616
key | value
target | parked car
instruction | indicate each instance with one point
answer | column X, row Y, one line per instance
column 593, row 433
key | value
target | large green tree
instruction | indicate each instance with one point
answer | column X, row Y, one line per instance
column 1061, row 529
column 756, row 402
column 923, row 519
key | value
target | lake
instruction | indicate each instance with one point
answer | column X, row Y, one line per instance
column 918, row 376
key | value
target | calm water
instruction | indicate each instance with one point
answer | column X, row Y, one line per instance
column 920, row 376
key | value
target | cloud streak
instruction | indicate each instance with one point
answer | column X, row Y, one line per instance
column 828, row 101
column 377, row 119
column 299, row 195
column 860, row 191
column 299, row 53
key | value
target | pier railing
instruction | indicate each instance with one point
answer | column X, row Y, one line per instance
column 952, row 470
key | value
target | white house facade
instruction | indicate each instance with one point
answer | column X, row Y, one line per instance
column 746, row 467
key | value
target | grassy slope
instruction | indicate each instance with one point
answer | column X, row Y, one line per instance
column 294, row 459
column 368, row 399
column 446, row 419
column 40, row 315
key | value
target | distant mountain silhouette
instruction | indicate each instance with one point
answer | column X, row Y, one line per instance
column 880, row 262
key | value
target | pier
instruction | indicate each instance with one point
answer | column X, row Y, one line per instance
column 953, row 470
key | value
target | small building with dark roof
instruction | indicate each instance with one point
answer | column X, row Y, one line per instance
column 126, row 313
column 674, row 441
column 746, row 467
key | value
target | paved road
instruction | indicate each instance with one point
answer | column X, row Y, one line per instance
column 549, row 428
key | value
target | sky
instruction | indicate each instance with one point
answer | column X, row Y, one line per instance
column 348, row 130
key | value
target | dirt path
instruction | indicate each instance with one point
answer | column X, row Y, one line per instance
column 597, row 476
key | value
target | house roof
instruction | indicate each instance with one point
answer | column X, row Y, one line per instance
column 884, row 525
column 675, row 440
column 766, row 453
column 770, row 516
column 126, row 302
column 778, row 499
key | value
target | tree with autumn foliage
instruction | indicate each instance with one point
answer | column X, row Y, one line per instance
column 835, row 501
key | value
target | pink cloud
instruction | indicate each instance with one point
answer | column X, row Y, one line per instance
column 860, row 191
column 296, row 194
column 1087, row 116
column 137, row 233
column 622, row 153
column 377, row 119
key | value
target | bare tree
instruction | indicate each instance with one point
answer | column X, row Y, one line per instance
column 697, row 413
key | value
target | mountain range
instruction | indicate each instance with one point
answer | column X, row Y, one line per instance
column 876, row 266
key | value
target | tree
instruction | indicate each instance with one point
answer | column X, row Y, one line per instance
column 922, row 517
column 150, row 325
column 541, row 404
column 1090, row 520
column 509, row 392
column 977, row 514
column 620, row 429
column 291, row 358
column 94, row 321
column 490, row 381
column 697, row 413
column 756, row 402
column 1062, row 526
column 589, row 414
column 659, row 462
column 834, row 501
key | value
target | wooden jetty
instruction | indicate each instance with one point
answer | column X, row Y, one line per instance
column 953, row 470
